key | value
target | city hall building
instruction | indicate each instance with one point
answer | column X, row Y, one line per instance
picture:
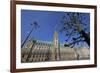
column 38, row 51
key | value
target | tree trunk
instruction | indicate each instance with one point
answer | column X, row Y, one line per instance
column 86, row 37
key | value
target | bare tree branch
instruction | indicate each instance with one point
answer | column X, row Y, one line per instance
column 73, row 25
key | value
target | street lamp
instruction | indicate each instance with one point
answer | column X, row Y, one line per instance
column 35, row 26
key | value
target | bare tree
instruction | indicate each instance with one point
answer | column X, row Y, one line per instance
column 76, row 28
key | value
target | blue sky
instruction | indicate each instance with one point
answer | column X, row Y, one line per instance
column 49, row 21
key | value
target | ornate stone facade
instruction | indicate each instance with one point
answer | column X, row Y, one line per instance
column 38, row 51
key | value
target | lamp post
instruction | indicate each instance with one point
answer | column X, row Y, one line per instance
column 35, row 26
